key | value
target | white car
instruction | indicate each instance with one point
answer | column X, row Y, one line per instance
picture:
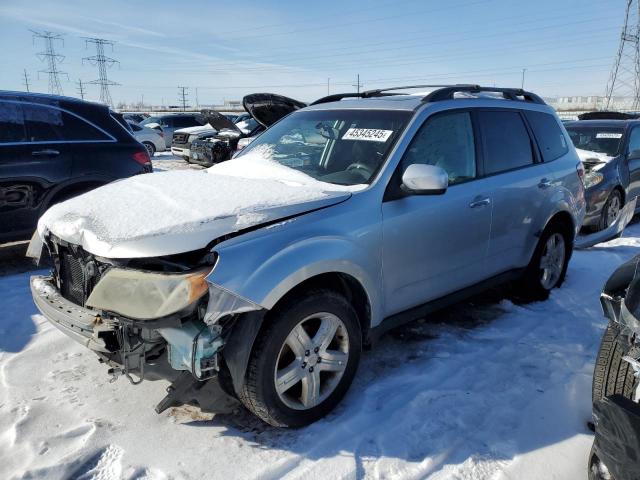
column 152, row 139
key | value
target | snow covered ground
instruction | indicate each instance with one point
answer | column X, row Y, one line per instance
column 485, row 390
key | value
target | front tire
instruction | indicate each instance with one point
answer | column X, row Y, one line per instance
column 611, row 210
column 304, row 360
column 612, row 375
column 548, row 266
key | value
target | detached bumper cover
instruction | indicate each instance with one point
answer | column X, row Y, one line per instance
column 81, row 324
column 617, row 441
column 616, row 228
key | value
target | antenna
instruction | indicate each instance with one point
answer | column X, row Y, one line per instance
column 52, row 58
column 103, row 62
column 625, row 74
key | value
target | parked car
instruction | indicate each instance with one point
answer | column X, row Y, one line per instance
column 169, row 123
column 228, row 137
column 135, row 117
column 53, row 148
column 153, row 140
column 610, row 151
column 616, row 448
column 263, row 276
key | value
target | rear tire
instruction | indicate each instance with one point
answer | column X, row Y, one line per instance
column 151, row 148
column 274, row 389
column 548, row 265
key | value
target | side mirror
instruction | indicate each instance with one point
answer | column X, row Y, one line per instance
column 419, row 179
column 633, row 155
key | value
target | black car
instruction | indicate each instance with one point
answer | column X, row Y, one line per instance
column 616, row 412
column 610, row 151
column 263, row 110
column 53, row 148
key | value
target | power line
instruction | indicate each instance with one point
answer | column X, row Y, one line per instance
column 80, row 89
column 26, row 80
column 52, row 58
column 103, row 62
column 625, row 74
column 182, row 97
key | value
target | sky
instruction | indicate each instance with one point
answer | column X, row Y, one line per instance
column 224, row 50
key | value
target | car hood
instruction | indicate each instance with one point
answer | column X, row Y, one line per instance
column 593, row 160
column 197, row 130
column 175, row 212
column 268, row 108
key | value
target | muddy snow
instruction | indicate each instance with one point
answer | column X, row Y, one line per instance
column 485, row 390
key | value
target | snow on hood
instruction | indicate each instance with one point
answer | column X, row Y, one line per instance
column 174, row 212
column 197, row 130
column 589, row 156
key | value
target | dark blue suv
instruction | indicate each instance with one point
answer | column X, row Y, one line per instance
column 53, row 148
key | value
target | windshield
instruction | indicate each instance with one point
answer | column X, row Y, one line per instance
column 149, row 120
column 596, row 139
column 345, row 147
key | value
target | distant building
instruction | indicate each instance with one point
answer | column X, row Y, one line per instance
column 591, row 102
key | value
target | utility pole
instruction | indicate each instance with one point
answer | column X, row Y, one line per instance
column 52, row 58
column 102, row 62
column 358, row 85
column 624, row 79
column 197, row 103
column 26, row 80
column 523, row 72
column 328, row 80
column 182, row 97
column 80, row 89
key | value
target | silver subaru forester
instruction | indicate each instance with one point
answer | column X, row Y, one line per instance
column 259, row 280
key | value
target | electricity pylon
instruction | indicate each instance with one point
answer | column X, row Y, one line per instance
column 52, row 58
column 103, row 62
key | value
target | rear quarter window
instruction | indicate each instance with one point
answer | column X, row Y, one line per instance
column 549, row 135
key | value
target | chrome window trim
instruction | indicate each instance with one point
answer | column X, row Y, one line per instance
column 82, row 119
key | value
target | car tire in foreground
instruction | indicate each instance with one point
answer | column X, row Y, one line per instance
column 548, row 265
column 151, row 148
column 304, row 360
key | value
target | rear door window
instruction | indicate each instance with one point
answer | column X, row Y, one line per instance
column 506, row 142
column 12, row 128
column 549, row 135
column 46, row 124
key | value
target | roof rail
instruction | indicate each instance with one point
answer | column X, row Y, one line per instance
column 448, row 93
column 339, row 96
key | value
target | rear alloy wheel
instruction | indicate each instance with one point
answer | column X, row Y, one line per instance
column 151, row 149
column 303, row 361
column 611, row 209
column 548, row 265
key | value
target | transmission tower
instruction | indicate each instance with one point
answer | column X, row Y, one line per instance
column 52, row 58
column 103, row 62
column 182, row 97
column 624, row 80
column 26, row 80
column 80, row 89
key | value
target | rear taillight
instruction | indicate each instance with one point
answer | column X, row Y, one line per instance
column 142, row 157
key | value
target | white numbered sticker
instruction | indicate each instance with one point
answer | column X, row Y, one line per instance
column 367, row 134
column 608, row 135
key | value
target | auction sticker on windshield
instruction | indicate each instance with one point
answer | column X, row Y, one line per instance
column 608, row 135
column 367, row 134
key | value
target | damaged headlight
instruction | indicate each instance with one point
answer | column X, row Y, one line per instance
column 222, row 302
column 147, row 295
column 591, row 179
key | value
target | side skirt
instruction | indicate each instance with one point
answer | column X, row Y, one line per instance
column 421, row 311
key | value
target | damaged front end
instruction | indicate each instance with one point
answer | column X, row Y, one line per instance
column 158, row 318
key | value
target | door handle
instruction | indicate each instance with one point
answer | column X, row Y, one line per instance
column 480, row 202
column 48, row 152
column 544, row 183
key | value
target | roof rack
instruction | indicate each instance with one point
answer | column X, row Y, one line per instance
column 442, row 92
column 448, row 93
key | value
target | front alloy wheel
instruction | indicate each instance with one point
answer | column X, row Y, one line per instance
column 303, row 360
column 552, row 261
column 311, row 361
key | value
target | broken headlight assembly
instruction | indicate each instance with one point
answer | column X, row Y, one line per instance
column 144, row 295
column 591, row 179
